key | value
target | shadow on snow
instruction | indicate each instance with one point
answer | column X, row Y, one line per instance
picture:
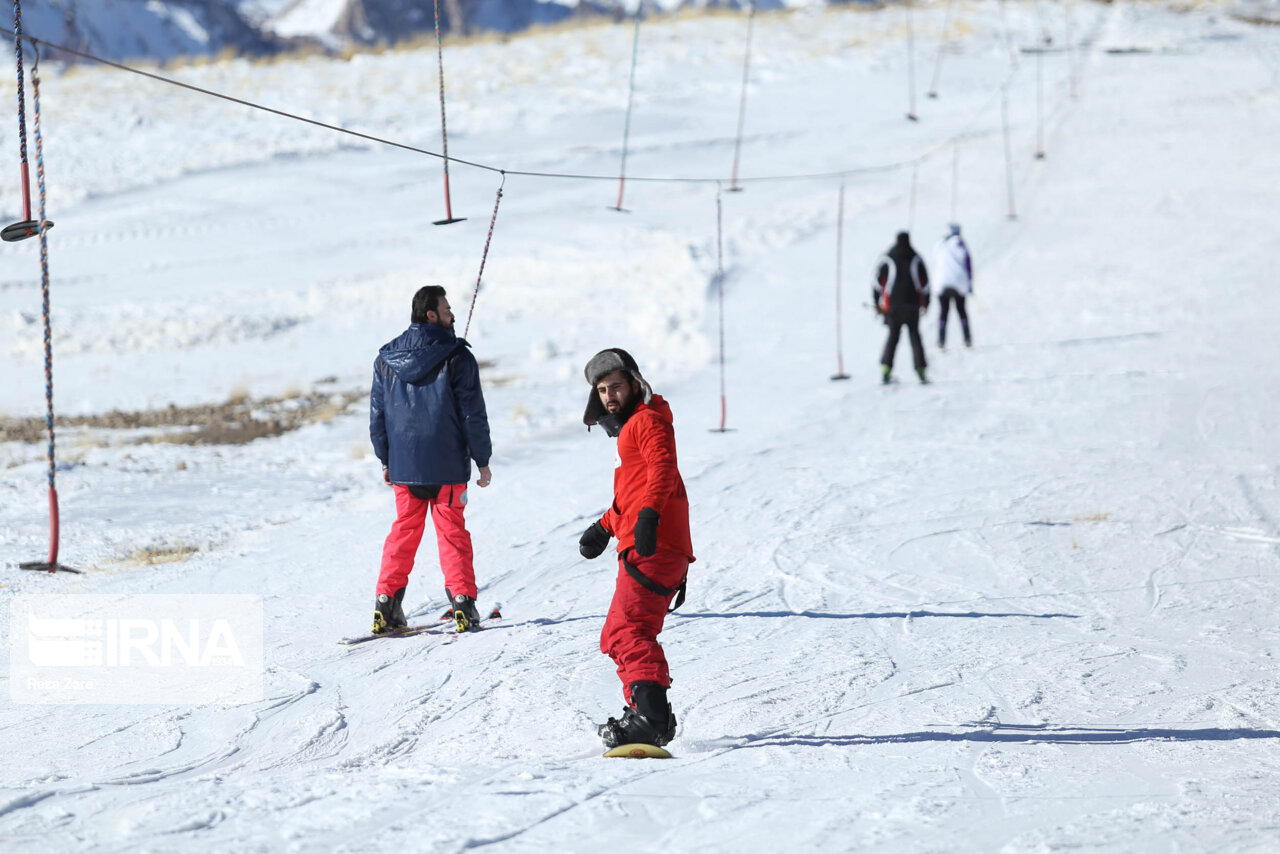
column 876, row 615
column 1007, row 734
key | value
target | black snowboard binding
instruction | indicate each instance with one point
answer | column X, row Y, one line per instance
column 649, row 720
column 388, row 613
column 465, row 615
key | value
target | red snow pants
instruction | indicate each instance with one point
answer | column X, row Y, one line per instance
column 452, row 539
column 636, row 614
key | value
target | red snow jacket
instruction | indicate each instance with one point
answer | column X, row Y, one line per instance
column 646, row 476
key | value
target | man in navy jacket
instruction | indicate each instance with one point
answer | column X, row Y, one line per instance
column 427, row 421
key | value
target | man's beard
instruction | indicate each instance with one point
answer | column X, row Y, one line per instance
column 614, row 421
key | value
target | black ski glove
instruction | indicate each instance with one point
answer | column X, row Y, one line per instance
column 594, row 541
column 647, row 532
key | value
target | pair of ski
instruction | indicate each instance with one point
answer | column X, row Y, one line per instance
column 423, row 629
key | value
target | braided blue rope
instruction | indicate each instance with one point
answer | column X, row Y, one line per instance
column 44, row 265
column 17, row 49
column 485, row 255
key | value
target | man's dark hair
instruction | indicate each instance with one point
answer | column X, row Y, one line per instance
column 426, row 299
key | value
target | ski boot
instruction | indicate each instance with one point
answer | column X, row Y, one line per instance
column 648, row 720
column 448, row 610
column 465, row 615
column 923, row 379
column 388, row 613
column 885, row 370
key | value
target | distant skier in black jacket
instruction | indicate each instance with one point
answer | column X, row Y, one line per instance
column 901, row 294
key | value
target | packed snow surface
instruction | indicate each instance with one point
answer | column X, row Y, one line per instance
column 1030, row 606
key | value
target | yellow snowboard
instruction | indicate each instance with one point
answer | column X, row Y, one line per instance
column 637, row 751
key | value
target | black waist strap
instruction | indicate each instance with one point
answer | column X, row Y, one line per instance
column 654, row 587
column 425, row 493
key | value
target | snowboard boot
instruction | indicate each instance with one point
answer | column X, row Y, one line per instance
column 465, row 615
column 387, row 613
column 885, row 370
column 398, row 619
column 649, row 720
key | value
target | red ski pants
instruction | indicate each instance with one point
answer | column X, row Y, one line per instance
column 452, row 540
column 636, row 615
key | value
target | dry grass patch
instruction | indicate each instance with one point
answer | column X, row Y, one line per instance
column 239, row 420
column 157, row 554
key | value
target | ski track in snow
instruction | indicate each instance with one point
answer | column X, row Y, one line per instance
column 1028, row 607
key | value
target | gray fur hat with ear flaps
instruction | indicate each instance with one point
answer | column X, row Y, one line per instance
column 601, row 365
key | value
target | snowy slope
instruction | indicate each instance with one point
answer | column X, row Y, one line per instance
column 1028, row 607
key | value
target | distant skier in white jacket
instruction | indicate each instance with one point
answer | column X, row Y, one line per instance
column 953, row 276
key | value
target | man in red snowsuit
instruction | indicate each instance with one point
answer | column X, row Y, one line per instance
column 650, row 519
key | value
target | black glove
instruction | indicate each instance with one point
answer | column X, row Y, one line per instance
column 647, row 532
column 594, row 541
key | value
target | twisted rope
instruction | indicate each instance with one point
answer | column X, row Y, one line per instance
column 22, row 110
column 626, row 125
column 937, row 62
column 720, row 295
column 444, row 130
column 44, row 268
column 742, row 102
column 17, row 49
column 840, row 374
column 484, row 256
column 911, row 65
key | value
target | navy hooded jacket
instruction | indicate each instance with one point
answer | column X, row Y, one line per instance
column 426, row 413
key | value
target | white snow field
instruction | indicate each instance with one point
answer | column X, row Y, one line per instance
column 1031, row 606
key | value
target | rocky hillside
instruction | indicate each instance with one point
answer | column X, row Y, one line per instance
column 135, row 29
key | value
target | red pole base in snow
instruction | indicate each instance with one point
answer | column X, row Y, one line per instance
column 50, row 565
column 721, row 428
column 42, row 566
